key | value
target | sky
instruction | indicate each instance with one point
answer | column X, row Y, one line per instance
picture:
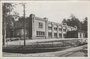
column 55, row 11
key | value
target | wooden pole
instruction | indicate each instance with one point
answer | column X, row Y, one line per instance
column 24, row 24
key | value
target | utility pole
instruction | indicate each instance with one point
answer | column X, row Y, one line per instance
column 24, row 25
column 23, row 4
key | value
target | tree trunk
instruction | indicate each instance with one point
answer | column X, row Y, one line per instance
column 4, row 31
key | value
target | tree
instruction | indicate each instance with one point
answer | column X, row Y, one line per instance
column 73, row 22
column 8, row 19
column 85, row 26
column 9, row 26
column 64, row 21
column 6, row 9
column 81, row 26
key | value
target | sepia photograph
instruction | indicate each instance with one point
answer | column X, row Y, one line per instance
column 45, row 29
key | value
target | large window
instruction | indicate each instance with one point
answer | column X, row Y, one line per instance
column 55, row 35
column 40, row 33
column 50, row 28
column 64, row 30
column 60, row 35
column 60, row 29
column 40, row 25
column 50, row 34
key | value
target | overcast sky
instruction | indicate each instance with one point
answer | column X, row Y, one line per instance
column 55, row 11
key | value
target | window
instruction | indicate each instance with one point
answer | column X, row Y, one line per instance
column 55, row 28
column 50, row 34
column 64, row 30
column 37, row 33
column 40, row 33
column 64, row 35
column 50, row 28
column 60, row 29
column 40, row 25
column 60, row 35
column 55, row 35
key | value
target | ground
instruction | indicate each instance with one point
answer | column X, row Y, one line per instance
column 70, row 52
column 47, row 54
column 44, row 48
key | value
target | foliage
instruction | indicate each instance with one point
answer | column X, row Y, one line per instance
column 73, row 21
column 85, row 26
column 7, row 7
column 76, row 22
column 8, row 18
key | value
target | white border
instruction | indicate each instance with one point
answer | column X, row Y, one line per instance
column 43, row 57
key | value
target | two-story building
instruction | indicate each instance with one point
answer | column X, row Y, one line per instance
column 38, row 28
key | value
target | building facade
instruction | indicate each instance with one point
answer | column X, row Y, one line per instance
column 38, row 28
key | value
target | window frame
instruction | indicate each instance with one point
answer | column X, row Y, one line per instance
column 40, row 25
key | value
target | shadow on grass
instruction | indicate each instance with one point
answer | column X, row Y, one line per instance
column 33, row 50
